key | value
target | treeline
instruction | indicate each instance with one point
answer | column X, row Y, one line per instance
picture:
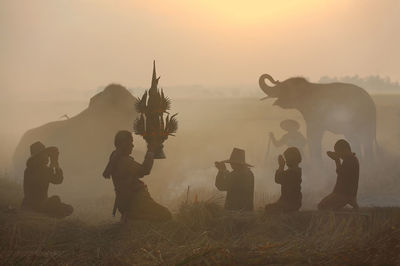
column 370, row 83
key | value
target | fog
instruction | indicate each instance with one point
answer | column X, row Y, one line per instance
column 56, row 55
column 62, row 49
column 208, row 130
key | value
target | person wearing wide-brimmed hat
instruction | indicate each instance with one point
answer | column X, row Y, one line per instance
column 38, row 175
column 238, row 183
column 293, row 137
column 290, row 181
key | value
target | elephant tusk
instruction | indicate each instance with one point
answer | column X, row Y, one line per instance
column 265, row 98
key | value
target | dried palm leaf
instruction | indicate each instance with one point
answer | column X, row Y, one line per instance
column 141, row 104
column 173, row 125
column 139, row 125
column 165, row 103
column 162, row 123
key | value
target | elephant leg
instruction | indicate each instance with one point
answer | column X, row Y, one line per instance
column 355, row 143
column 368, row 146
column 314, row 141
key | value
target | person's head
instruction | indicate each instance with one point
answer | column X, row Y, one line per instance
column 292, row 156
column 38, row 150
column 123, row 142
column 342, row 148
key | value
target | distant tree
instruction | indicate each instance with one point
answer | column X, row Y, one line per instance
column 374, row 83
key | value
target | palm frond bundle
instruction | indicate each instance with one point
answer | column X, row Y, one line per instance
column 150, row 124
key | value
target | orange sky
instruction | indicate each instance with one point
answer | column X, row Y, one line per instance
column 60, row 48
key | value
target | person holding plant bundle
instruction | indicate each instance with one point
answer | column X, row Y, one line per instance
column 132, row 197
column 238, row 183
column 348, row 170
column 290, row 181
column 37, row 177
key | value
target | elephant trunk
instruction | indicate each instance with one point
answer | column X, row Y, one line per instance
column 270, row 91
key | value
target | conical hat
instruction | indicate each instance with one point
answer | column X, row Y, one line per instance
column 290, row 124
column 237, row 156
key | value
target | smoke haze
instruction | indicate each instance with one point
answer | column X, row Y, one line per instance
column 55, row 55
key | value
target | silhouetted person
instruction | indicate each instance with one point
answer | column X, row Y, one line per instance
column 293, row 137
column 290, row 181
column 238, row 183
column 132, row 197
column 37, row 177
column 347, row 169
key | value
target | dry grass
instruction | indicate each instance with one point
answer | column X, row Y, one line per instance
column 203, row 233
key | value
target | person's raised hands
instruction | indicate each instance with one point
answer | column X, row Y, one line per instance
column 281, row 161
column 333, row 155
column 220, row 166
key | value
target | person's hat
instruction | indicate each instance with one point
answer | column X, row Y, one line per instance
column 37, row 148
column 237, row 156
column 290, row 124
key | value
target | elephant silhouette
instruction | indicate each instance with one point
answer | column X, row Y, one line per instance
column 83, row 139
column 340, row 108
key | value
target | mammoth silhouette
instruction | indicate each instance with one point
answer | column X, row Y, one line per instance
column 336, row 107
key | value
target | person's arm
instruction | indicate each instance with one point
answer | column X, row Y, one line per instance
column 339, row 166
column 280, row 176
column 148, row 162
column 221, row 180
column 334, row 156
column 56, row 175
column 278, row 143
column 280, row 172
column 146, row 166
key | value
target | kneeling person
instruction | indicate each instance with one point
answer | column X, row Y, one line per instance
column 132, row 197
column 238, row 183
column 347, row 169
column 290, row 181
column 37, row 177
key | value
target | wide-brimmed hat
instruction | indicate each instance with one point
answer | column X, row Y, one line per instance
column 290, row 124
column 37, row 148
column 237, row 156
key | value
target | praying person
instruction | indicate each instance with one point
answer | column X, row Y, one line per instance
column 290, row 181
column 348, row 170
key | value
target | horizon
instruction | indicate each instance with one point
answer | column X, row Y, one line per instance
column 64, row 47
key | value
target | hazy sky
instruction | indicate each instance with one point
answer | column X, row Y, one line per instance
column 58, row 48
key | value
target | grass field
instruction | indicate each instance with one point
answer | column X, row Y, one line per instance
column 200, row 233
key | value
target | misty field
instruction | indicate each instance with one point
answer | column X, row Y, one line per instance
column 208, row 130
column 202, row 233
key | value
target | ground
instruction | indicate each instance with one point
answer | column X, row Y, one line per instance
column 201, row 233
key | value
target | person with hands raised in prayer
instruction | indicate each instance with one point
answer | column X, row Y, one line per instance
column 348, row 170
column 290, row 181
column 38, row 175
